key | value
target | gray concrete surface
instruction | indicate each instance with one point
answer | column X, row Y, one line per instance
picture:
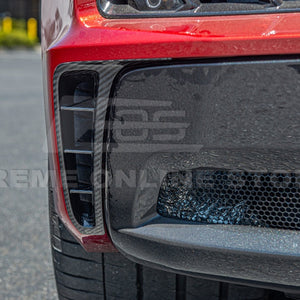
column 25, row 262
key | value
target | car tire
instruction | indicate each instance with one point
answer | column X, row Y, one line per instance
column 111, row 276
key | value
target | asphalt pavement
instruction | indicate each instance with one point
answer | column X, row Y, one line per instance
column 25, row 261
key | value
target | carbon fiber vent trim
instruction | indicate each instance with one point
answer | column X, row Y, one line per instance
column 232, row 197
column 76, row 144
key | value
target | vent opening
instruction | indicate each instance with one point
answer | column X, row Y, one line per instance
column 77, row 98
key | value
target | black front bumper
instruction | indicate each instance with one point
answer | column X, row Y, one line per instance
column 241, row 115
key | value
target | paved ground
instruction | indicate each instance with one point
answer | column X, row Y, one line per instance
column 25, row 263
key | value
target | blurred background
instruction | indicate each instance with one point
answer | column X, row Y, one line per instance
column 19, row 23
column 21, row 8
column 25, row 263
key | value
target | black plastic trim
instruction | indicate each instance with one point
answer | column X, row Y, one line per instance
column 272, row 260
column 229, row 266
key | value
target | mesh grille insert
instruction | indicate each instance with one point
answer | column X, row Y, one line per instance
column 232, row 197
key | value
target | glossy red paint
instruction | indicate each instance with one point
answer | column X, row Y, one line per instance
column 77, row 32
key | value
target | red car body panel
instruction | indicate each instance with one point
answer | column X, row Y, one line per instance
column 78, row 32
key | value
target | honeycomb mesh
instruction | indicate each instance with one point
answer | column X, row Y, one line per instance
column 232, row 197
